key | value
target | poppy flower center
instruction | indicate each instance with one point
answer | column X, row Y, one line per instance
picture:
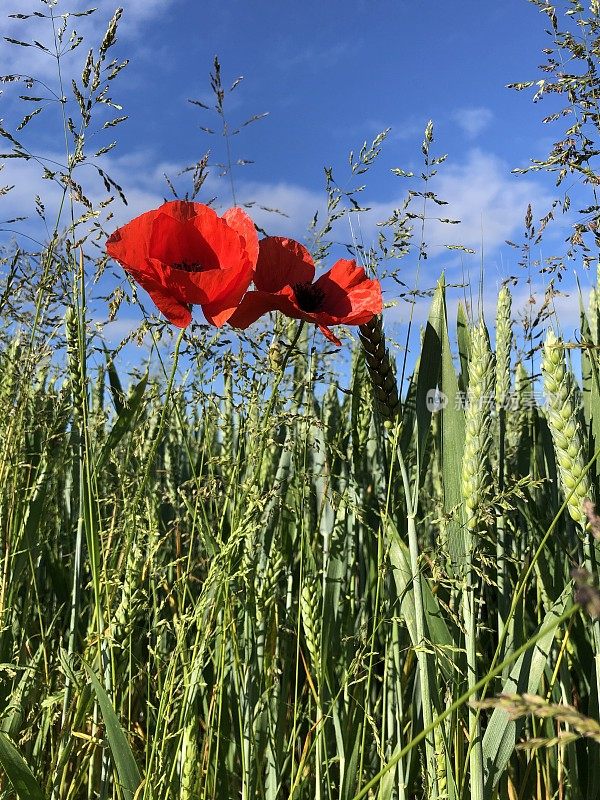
column 309, row 296
column 188, row 267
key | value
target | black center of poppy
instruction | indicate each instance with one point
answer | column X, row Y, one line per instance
column 309, row 296
column 188, row 267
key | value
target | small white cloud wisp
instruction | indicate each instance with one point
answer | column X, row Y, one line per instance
column 473, row 121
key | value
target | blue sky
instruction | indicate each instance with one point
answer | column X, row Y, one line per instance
column 331, row 75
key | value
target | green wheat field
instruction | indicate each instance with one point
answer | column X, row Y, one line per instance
column 260, row 566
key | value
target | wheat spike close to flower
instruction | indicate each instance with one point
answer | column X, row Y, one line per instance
column 379, row 364
column 562, row 413
column 504, row 344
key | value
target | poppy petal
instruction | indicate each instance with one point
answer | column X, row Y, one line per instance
column 183, row 210
column 255, row 304
column 176, row 311
column 219, row 311
column 129, row 244
column 282, row 262
column 330, row 335
column 348, row 295
column 217, row 285
column 228, row 244
column 175, row 242
column 346, row 273
column 241, row 223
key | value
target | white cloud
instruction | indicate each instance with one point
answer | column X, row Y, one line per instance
column 297, row 203
column 473, row 120
column 481, row 192
column 117, row 330
column 143, row 191
column 489, row 200
column 312, row 56
column 141, row 176
column 39, row 64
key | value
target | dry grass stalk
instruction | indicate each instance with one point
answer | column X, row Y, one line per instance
column 517, row 706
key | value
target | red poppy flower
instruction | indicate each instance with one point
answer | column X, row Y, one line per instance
column 284, row 282
column 184, row 254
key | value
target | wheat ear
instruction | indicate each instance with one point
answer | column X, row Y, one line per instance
column 379, row 364
column 504, row 342
column 476, row 479
column 562, row 413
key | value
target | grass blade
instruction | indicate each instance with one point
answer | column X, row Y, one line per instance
column 501, row 732
column 18, row 772
column 127, row 770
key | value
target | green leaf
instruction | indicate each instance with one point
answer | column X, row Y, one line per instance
column 464, row 346
column 127, row 770
column 334, row 581
column 21, row 777
column 452, row 438
column 429, row 369
column 115, row 383
column 437, row 630
column 123, row 424
column 501, row 733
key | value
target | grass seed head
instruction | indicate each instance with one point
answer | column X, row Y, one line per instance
column 381, row 372
column 476, row 477
column 562, row 415
column 309, row 609
column 504, row 341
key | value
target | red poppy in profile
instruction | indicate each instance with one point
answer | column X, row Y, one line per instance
column 184, row 254
column 284, row 282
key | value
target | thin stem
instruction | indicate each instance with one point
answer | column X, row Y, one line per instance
column 371, row 654
column 229, row 169
column 161, row 426
column 422, row 658
column 475, row 748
